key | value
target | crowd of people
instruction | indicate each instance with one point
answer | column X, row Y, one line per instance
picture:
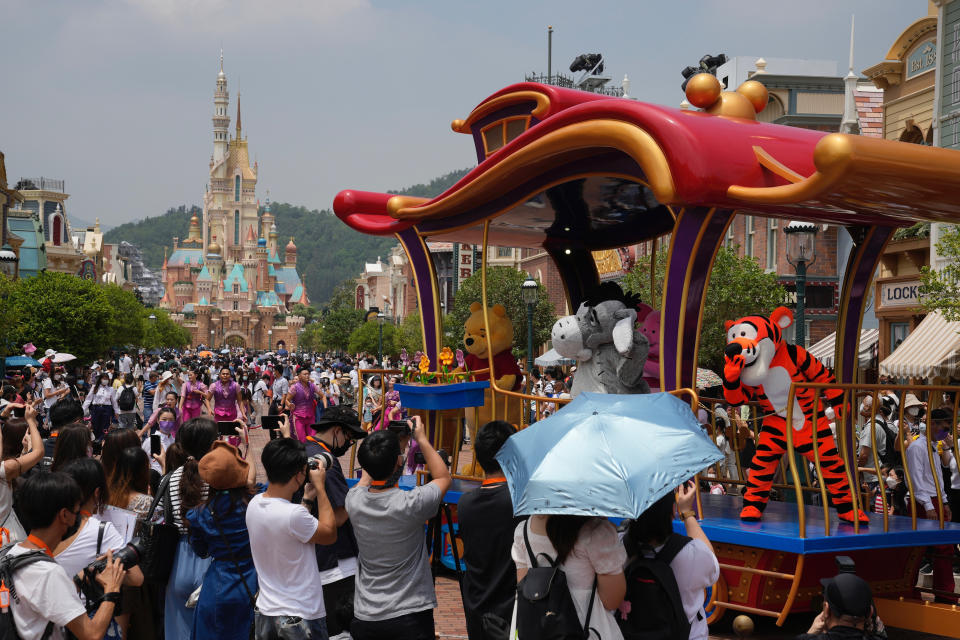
column 130, row 508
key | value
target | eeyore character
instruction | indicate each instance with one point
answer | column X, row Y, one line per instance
column 603, row 337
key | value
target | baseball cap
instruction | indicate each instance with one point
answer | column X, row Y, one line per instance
column 848, row 595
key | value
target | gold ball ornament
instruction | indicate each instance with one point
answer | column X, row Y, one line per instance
column 703, row 90
column 756, row 93
column 734, row 105
column 743, row 626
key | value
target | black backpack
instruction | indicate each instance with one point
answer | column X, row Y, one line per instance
column 128, row 399
column 545, row 609
column 9, row 566
column 889, row 456
column 656, row 610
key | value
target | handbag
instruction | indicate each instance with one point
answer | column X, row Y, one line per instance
column 159, row 541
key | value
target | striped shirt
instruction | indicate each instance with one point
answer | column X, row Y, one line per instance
column 148, row 389
column 175, row 501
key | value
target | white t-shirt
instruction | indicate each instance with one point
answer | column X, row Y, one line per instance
column 125, row 364
column 48, row 387
column 286, row 562
column 46, row 594
column 83, row 550
column 695, row 569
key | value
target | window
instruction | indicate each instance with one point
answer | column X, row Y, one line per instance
column 236, row 287
column 748, row 237
column 500, row 133
column 236, row 305
column 236, row 188
column 504, row 252
column 898, row 333
column 236, row 227
column 728, row 242
column 772, row 244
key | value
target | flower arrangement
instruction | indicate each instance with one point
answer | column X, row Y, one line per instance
column 417, row 369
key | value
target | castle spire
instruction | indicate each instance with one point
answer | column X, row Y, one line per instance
column 221, row 120
column 238, row 116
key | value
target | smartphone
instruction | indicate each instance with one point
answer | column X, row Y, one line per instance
column 227, row 428
column 19, row 412
column 155, row 447
column 97, row 447
column 274, row 434
column 270, row 422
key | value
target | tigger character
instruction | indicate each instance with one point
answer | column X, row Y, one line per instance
column 760, row 366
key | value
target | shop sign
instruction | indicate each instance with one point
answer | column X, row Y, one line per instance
column 923, row 58
column 464, row 265
column 900, row 294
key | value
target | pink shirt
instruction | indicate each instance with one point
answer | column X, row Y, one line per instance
column 303, row 398
column 193, row 394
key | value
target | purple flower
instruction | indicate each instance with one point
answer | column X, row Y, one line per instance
column 404, row 359
column 417, row 356
column 460, row 361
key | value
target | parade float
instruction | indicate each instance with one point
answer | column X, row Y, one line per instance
column 572, row 173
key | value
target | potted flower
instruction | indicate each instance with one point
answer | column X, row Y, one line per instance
column 444, row 388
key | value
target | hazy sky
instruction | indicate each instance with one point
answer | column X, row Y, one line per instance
column 116, row 96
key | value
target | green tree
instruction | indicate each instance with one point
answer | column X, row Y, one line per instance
column 163, row 332
column 307, row 311
column 63, row 312
column 125, row 308
column 343, row 297
column 503, row 287
column 9, row 317
column 366, row 337
column 337, row 327
column 312, row 338
column 409, row 334
column 940, row 288
column 738, row 287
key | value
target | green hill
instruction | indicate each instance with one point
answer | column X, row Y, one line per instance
column 328, row 251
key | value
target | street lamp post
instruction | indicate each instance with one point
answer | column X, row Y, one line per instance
column 380, row 318
column 528, row 291
column 269, row 339
column 801, row 253
column 212, row 332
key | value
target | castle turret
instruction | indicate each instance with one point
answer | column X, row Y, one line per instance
column 291, row 254
column 221, row 121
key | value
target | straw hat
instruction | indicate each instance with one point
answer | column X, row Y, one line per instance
column 911, row 401
column 223, row 468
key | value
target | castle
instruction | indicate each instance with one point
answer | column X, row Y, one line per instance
column 226, row 282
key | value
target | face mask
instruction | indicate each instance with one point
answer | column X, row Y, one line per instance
column 166, row 425
column 912, row 411
column 343, row 448
column 58, row 377
column 891, row 482
column 104, row 382
column 940, row 434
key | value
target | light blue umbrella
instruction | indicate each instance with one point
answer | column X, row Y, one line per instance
column 21, row 361
column 605, row 455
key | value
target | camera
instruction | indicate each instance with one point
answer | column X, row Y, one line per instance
column 399, row 427
column 419, row 459
column 323, row 459
column 129, row 556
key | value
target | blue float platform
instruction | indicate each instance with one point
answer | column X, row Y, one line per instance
column 452, row 496
column 780, row 531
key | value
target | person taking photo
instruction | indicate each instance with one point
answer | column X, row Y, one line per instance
column 394, row 598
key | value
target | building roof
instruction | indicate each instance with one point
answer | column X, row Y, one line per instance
column 267, row 299
column 188, row 308
column 287, row 279
column 271, row 271
column 183, row 257
column 204, row 275
column 235, row 277
column 239, row 157
column 274, row 259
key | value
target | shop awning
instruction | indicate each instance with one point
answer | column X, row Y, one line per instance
column 931, row 350
column 826, row 349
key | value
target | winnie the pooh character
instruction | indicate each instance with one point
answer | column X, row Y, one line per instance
column 509, row 375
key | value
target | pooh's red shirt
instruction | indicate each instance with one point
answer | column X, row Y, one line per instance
column 504, row 364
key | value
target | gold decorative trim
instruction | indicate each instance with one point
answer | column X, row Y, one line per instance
column 547, row 152
column 495, row 104
column 773, row 165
